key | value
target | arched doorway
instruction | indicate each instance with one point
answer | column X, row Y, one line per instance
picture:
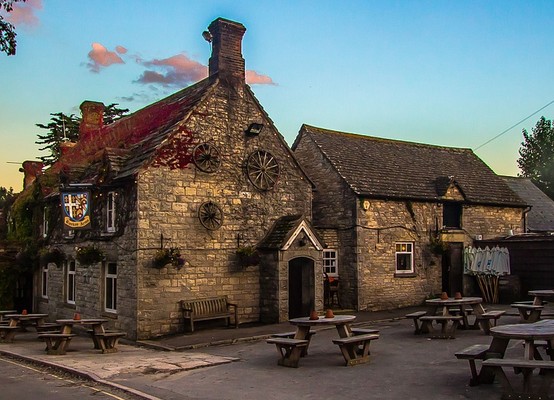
column 301, row 287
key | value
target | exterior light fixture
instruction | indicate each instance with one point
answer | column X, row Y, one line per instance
column 254, row 129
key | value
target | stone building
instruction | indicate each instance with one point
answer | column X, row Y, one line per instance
column 396, row 215
column 200, row 177
column 198, row 195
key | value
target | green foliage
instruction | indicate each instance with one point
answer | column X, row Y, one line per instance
column 7, row 197
column 162, row 257
column 8, row 43
column 21, row 215
column 62, row 128
column 536, row 159
column 88, row 255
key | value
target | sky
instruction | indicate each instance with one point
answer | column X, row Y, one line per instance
column 470, row 74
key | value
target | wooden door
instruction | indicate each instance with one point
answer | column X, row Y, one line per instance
column 301, row 287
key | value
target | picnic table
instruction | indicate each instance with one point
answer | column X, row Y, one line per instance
column 453, row 306
column 494, row 360
column 539, row 295
column 19, row 322
column 3, row 314
column 354, row 348
column 102, row 339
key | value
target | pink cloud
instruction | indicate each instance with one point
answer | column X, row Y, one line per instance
column 253, row 78
column 24, row 13
column 177, row 70
column 100, row 56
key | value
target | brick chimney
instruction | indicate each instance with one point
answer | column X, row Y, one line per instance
column 31, row 170
column 226, row 60
column 92, row 113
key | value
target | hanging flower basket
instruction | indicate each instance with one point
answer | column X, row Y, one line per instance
column 168, row 256
column 248, row 256
column 89, row 255
column 54, row 255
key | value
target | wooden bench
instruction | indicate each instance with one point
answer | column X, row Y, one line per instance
column 472, row 353
column 415, row 316
column 525, row 367
column 290, row 350
column 48, row 327
column 349, row 348
column 528, row 313
column 484, row 320
column 7, row 333
column 290, row 335
column 444, row 321
column 56, row 343
column 107, row 341
column 209, row 309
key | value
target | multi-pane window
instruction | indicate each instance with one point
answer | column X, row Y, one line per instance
column 70, row 282
column 44, row 281
column 330, row 262
column 110, row 287
column 110, row 212
column 404, row 257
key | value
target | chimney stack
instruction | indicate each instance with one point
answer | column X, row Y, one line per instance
column 226, row 60
column 31, row 170
column 92, row 113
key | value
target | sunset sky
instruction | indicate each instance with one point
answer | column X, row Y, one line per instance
column 450, row 73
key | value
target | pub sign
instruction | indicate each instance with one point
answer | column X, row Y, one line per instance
column 76, row 209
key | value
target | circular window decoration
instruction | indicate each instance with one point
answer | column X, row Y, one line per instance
column 210, row 215
column 206, row 157
column 262, row 169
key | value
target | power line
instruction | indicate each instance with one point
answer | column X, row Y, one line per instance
column 513, row 126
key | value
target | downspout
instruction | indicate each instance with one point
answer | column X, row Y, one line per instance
column 525, row 218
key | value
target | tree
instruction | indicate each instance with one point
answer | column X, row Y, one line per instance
column 7, row 30
column 62, row 128
column 7, row 197
column 536, row 153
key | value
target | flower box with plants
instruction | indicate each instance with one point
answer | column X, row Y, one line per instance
column 248, row 256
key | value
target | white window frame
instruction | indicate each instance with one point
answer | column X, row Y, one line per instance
column 70, row 281
column 110, row 212
column 44, row 281
column 45, row 222
column 110, row 288
column 330, row 262
column 401, row 249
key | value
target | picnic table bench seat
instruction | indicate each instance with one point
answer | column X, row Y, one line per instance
column 48, row 327
column 107, row 341
column 528, row 390
column 443, row 320
column 209, row 309
column 7, row 333
column 56, row 343
column 472, row 353
column 528, row 312
column 349, row 347
column 290, row 350
column 415, row 316
column 484, row 319
column 290, row 335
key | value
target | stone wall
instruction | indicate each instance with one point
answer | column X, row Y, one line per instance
column 168, row 202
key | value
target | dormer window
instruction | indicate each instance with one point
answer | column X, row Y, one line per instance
column 452, row 215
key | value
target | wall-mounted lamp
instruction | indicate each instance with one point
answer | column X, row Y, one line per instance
column 254, row 129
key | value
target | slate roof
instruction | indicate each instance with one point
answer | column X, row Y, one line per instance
column 282, row 230
column 541, row 216
column 384, row 168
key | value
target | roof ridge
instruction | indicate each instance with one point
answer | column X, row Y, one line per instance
column 361, row 136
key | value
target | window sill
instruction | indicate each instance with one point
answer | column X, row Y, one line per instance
column 405, row 275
